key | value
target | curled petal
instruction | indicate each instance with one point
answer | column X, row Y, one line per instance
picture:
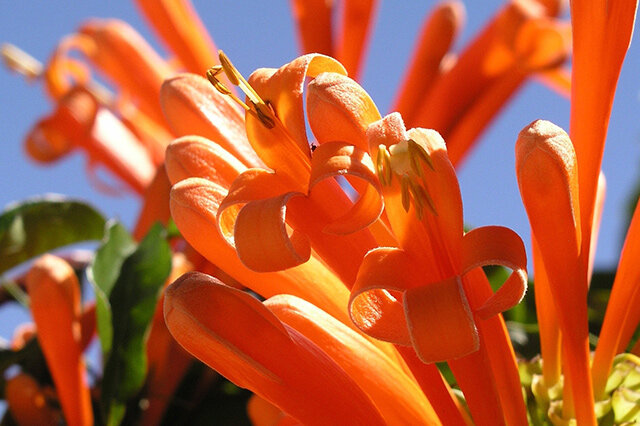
column 440, row 321
column 342, row 159
column 372, row 307
column 252, row 184
column 194, row 205
column 339, row 109
column 256, row 351
column 79, row 121
column 56, row 135
column 282, row 89
column 195, row 156
column 497, row 245
column 63, row 72
column 262, row 239
column 193, row 107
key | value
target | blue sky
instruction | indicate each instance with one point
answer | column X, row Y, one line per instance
column 258, row 33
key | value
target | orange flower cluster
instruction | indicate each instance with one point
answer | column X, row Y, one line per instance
column 348, row 225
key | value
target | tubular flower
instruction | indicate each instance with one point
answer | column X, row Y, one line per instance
column 424, row 207
column 55, row 305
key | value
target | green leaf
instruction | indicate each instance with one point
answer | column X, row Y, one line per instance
column 39, row 225
column 133, row 300
column 103, row 273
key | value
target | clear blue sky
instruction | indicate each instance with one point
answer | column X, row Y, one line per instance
column 260, row 33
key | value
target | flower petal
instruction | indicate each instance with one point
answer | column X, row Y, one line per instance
column 263, row 413
column 194, row 206
column 261, row 237
column 354, row 33
column 250, row 185
column 258, row 352
column 436, row 237
column 602, row 32
column 435, row 313
column 313, row 19
column 80, row 121
column 179, row 26
column 195, row 156
column 398, row 398
column 283, row 90
column 339, row 109
column 439, row 31
column 547, row 177
column 550, row 339
column 115, row 48
column 155, row 204
column 499, row 361
column 484, row 60
column 497, row 245
column 342, row 159
column 193, row 107
column 622, row 316
column 372, row 308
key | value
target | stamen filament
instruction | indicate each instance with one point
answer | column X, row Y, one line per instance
column 20, row 61
column 261, row 109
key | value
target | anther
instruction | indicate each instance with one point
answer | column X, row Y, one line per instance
column 383, row 165
column 255, row 104
column 406, row 196
column 416, row 150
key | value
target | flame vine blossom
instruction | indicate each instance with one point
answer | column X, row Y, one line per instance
column 411, row 271
column 356, row 237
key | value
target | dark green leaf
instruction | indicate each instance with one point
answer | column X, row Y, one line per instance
column 37, row 226
column 103, row 273
column 30, row 359
column 133, row 300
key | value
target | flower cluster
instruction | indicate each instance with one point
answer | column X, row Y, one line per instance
column 321, row 259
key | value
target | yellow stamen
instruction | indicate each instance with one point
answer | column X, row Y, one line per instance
column 405, row 160
column 20, row 61
column 261, row 109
